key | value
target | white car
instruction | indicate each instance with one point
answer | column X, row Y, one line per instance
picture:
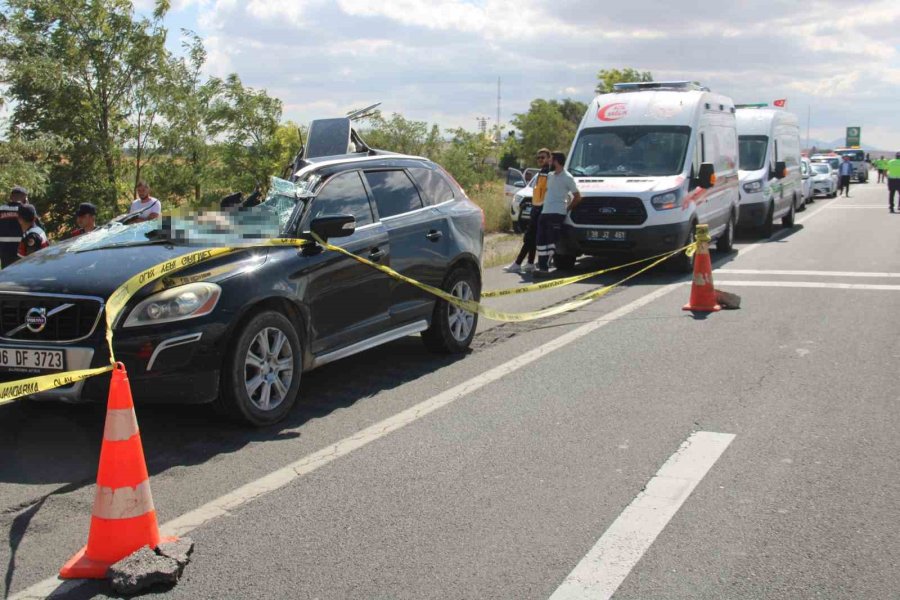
column 823, row 180
column 520, row 207
column 806, row 175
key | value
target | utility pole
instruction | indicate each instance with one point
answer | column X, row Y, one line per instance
column 499, row 136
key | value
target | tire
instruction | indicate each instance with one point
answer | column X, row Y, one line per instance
column 832, row 195
column 259, row 387
column 801, row 206
column 564, row 262
column 725, row 243
column 766, row 229
column 788, row 219
column 517, row 227
column 682, row 263
column 452, row 328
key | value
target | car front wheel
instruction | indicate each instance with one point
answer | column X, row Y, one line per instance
column 453, row 328
column 261, row 378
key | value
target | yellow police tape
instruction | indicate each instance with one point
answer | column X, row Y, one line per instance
column 163, row 271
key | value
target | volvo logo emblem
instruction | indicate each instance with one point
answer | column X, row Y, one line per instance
column 36, row 319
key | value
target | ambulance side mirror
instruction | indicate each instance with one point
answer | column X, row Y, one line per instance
column 706, row 178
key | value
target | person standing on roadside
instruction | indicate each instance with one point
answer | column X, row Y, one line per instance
column 10, row 231
column 893, row 180
column 529, row 240
column 846, row 172
column 85, row 218
column 560, row 184
column 880, row 166
column 145, row 205
column 33, row 237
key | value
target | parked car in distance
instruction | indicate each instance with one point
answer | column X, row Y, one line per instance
column 517, row 179
column 242, row 336
column 823, row 179
column 806, row 175
column 833, row 160
column 520, row 207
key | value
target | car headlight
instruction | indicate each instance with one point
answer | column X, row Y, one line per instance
column 183, row 302
column 753, row 186
column 666, row 201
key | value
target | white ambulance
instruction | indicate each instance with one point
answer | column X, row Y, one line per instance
column 771, row 181
column 652, row 160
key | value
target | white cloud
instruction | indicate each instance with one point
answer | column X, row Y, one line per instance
column 439, row 60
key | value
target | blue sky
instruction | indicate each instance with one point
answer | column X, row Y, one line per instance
column 438, row 60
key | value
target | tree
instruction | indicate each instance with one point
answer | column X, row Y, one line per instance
column 28, row 162
column 545, row 126
column 466, row 158
column 399, row 134
column 72, row 67
column 607, row 78
column 247, row 120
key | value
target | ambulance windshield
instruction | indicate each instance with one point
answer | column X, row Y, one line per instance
column 651, row 151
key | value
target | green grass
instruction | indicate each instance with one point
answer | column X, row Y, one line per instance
column 490, row 198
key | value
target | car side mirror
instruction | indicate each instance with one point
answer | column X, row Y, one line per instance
column 780, row 170
column 333, row 226
column 706, row 177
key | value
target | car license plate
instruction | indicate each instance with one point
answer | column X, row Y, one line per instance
column 29, row 359
column 606, row 235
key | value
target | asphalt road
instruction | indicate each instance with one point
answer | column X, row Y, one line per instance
column 626, row 447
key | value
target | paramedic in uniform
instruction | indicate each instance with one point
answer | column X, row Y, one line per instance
column 529, row 242
column 10, row 231
column 33, row 237
column 893, row 179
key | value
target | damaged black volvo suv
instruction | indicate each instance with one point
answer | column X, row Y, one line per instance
column 239, row 330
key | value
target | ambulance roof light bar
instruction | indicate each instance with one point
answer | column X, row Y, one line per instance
column 685, row 86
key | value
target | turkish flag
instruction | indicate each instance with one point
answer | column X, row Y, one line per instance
column 780, row 103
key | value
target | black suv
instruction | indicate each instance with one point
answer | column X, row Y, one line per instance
column 242, row 334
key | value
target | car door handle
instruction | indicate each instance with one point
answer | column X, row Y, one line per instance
column 434, row 235
column 376, row 254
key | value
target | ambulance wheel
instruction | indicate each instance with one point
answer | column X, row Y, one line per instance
column 768, row 225
column 564, row 262
column 681, row 262
column 725, row 243
column 788, row 219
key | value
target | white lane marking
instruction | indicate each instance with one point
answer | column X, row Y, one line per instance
column 784, row 232
column 608, row 563
column 869, row 206
column 822, row 285
column 806, row 273
column 187, row 522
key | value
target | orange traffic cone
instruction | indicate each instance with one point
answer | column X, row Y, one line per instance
column 123, row 519
column 703, row 294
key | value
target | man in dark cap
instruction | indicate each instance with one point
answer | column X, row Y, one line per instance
column 33, row 237
column 10, row 231
column 85, row 218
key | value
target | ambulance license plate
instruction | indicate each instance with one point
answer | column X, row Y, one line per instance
column 30, row 359
column 606, row 235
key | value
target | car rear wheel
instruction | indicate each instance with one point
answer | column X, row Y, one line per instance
column 453, row 328
column 261, row 378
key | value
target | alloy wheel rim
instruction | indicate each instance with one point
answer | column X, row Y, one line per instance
column 460, row 321
column 268, row 369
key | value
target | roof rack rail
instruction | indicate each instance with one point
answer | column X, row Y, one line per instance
column 634, row 86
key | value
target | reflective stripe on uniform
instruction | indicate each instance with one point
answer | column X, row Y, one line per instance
column 124, row 502
column 121, row 425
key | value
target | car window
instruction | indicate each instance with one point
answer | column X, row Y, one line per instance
column 432, row 184
column 344, row 194
column 394, row 193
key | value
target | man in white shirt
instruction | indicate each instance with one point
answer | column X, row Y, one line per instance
column 560, row 185
column 149, row 207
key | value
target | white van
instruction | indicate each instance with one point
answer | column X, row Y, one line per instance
column 771, row 183
column 652, row 160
